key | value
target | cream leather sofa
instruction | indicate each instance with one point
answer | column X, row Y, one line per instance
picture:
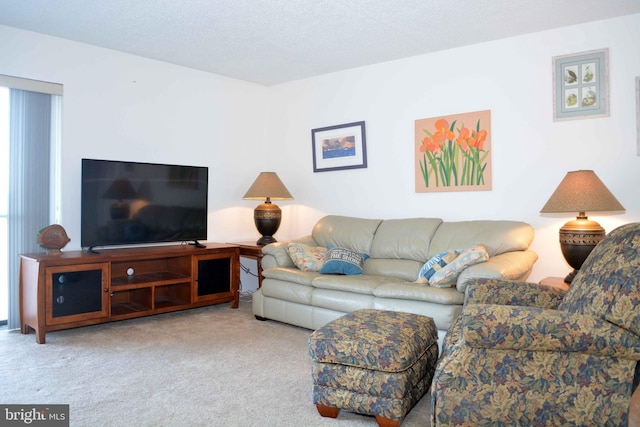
column 397, row 249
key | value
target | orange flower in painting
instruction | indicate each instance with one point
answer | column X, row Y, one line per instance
column 429, row 144
column 443, row 132
column 463, row 138
column 479, row 138
column 442, row 125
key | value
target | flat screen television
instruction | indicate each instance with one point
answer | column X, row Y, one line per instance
column 125, row 203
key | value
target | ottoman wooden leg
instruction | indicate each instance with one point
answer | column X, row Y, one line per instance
column 327, row 411
column 386, row 422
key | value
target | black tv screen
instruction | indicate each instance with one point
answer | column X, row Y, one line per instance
column 127, row 203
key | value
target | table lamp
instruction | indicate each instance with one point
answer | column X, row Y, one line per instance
column 580, row 191
column 267, row 215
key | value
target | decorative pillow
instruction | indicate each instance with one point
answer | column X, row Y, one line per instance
column 436, row 263
column 343, row 261
column 305, row 257
column 446, row 276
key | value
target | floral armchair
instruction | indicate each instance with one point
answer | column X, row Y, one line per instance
column 526, row 354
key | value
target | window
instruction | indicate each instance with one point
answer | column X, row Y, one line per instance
column 4, row 204
column 32, row 121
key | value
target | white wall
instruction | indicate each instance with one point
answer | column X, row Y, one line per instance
column 120, row 106
column 123, row 107
column 531, row 153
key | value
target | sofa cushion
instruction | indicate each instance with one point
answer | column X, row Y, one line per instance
column 405, row 269
column 305, row 257
column 343, row 261
column 341, row 301
column 404, row 238
column 361, row 284
column 346, row 232
column 436, row 263
column 419, row 292
column 447, row 276
column 497, row 236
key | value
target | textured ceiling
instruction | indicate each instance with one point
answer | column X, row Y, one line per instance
column 275, row 41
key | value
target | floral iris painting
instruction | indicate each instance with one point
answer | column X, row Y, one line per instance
column 453, row 153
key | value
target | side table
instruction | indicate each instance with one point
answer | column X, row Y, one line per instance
column 252, row 250
column 555, row 282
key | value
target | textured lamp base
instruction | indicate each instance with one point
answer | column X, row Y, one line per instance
column 577, row 240
column 569, row 277
column 265, row 240
column 267, row 217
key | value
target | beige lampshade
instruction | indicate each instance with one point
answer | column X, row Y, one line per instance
column 582, row 191
column 267, row 185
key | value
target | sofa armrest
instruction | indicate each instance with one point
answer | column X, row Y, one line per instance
column 276, row 255
column 501, row 327
column 514, row 265
column 506, row 292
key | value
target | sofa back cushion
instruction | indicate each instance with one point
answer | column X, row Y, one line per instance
column 346, row 232
column 405, row 269
column 608, row 283
column 404, row 239
column 497, row 236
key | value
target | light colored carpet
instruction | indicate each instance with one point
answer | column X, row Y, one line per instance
column 211, row 366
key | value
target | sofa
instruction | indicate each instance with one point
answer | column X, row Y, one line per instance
column 523, row 354
column 395, row 252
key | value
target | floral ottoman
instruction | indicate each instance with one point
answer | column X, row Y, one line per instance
column 373, row 362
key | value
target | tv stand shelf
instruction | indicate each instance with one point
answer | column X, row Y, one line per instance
column 158, row 279
column 81, row 288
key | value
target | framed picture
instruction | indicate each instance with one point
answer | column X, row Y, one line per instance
column 638, row 112
column 339, row 147
column 453, row 153
column 581, row 85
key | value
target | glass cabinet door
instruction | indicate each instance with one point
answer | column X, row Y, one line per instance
column 76, row 293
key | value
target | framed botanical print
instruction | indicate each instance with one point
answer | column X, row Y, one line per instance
column 581, row 85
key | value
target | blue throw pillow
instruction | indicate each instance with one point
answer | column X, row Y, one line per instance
column 343, row 261
column 436, row 263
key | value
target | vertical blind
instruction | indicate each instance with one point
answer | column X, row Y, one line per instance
column 31, row 141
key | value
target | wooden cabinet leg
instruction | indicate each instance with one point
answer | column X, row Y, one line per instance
column 40, row 334
column 327, row 411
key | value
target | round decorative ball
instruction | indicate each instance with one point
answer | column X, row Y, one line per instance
column 53, row 238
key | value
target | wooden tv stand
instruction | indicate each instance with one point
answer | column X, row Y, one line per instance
column 79, row 288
